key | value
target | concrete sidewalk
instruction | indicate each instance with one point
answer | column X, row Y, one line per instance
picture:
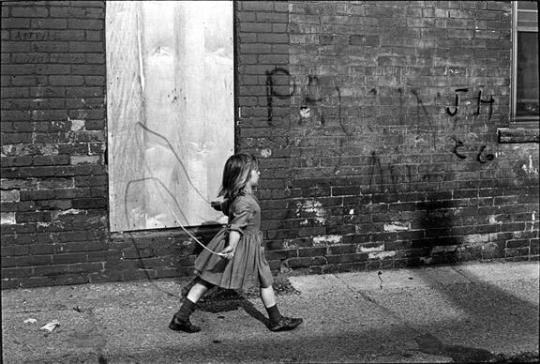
column 464, row 313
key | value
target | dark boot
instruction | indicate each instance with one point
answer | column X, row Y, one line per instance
column 180, row 320
column 281, row 323
column 285, row 324
column 185, row 326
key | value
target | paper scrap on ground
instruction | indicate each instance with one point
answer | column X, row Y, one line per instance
column 51, row 326
column 30, row 321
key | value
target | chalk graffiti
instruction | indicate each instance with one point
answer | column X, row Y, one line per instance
column 456, row 102
column 420, row 105
column 483, row 159
column 340, row 117
column 376, row 165
column 401, row 102
column 480, row 157
column 31, row 35
column 313, row 91
column 480, row 101
column 459, row 144
column 271, row 92
column 385, row 178
column 312, row 97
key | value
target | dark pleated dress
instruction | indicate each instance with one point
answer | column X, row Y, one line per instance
column 248, row 268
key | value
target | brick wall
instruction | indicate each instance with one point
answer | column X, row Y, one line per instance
column 368, row 162
column 54, row 180
column 351, row 106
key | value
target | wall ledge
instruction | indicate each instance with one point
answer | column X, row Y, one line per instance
column 518, row 135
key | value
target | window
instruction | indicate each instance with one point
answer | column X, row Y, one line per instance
column 170, row 110
column 525, row 62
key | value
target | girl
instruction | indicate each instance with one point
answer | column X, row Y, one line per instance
column 241, row 262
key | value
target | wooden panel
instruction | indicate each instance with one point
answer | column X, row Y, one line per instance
column 170, row 110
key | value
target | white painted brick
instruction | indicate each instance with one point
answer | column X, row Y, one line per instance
column 90, row 159
column 10, row 196
column 8, row 218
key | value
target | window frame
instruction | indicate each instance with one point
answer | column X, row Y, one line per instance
column 515, row 120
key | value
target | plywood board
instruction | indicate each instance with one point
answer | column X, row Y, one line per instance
column 170, row 110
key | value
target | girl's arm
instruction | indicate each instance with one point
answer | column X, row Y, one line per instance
column 216, row 205
column 234, row 237
column 241, row 214
column 220, row 205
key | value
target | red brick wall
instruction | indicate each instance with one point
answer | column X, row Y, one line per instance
column 366, row 161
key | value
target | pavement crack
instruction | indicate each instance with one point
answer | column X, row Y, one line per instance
column 467, row 277
column 380, row 306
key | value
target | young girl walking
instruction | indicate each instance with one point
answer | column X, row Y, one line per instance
column 241, row 262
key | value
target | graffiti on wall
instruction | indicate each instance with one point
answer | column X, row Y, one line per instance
column 479, row 102
column 311, row 98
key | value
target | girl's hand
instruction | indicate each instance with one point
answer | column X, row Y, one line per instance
column 228, row 252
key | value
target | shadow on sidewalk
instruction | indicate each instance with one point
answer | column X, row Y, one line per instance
column 218, row 300
column 498, row 310
column 305, row 346
column 222, row 300
column 492, row 310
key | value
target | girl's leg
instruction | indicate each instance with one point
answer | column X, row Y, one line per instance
column 196, row 292
column 268, row 297
column 180, row 321
column 277, row 322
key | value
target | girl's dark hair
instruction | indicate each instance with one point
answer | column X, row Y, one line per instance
column 236, row 174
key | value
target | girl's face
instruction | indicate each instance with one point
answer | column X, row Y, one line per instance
column 254, row 177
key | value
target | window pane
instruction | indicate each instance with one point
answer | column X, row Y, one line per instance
column 527, row 5
column 527, row 74
column 528, row 19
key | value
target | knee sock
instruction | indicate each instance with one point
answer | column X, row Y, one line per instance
column 185, row 310
column 273, row 313
column 208, row 285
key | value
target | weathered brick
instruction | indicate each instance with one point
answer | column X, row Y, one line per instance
column 67, row 57
column 86, row 47
column 273, row 38
column 86, row 24
column 88, row 70
column 84, row 91
column 272, row 17
column 89, row 203
column 76, row 12
column 50, row 160
column 48, row 23
column 13, row 47
column 256, row 27
column 257, row 5
column 98, row 58
column 14, row 23
column 29, row 12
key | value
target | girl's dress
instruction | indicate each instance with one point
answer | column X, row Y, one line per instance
column 248, row 267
